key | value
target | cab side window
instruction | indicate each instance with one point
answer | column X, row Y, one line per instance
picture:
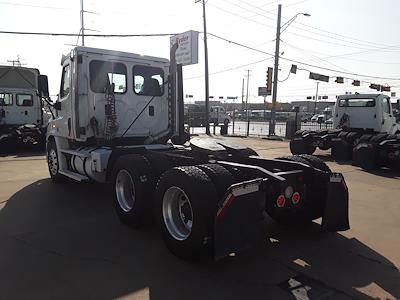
column 105, row 73
column 6, row 99
column 24, row 100
column 65, row 81
column 148, row 81
column 386, row 105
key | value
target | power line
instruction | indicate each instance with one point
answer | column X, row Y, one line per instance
column 231, row 69
column 364, row 43
column 90, row 35
column 34, row 6
column 302, row 63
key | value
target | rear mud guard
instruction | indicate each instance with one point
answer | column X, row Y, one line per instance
column 340, row 149
column 365, row 156
column 298, row 145
column 239, row 219
column 336, row 214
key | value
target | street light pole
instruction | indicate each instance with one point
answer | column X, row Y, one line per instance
column 276, row 65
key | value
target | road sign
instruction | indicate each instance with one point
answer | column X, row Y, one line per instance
column 319, row 77
column 188, row 47
column 263, row 91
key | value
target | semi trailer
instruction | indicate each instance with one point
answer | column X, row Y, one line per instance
column 360, row 121
column 119, row 120
column 23, row 111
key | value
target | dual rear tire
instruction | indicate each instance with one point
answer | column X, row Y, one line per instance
column 184, row 203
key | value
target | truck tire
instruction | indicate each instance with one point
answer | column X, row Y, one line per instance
column 316, row 162
column 316, row 193
column 186, row 204
column 133, row 184
column 364, row 138
column 343, row 135
column 159, row 163
column 53, row 163
column 376, row 139
column 351, row 137
column 299, row 133
column 220, row 176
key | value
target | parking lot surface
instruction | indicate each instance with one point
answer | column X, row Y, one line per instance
column 64, row 241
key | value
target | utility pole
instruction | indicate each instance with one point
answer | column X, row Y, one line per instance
column 206, row 68
column 243, row 94
column 276, row 66
column 247, row 101
column 316, row 98
column 82, row 24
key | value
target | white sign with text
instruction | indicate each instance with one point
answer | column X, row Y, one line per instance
column 188, row 47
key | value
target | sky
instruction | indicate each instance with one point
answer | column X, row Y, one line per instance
column 346, row 36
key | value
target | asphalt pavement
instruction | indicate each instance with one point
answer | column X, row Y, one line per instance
column 64, row 241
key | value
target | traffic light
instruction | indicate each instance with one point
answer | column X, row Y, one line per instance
column 356, row 82
column 339, row 80
column 385, row 88
column 375, row 86
column 269, row 80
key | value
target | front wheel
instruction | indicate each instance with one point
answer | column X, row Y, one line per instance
column 53, row 163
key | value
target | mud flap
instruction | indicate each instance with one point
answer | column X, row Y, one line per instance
column 340, row 150
column 239, row 220
column 336, row 214
column 364, row 156
column 298, row 146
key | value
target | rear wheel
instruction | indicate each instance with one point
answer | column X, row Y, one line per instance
column 133, row 185
column 376, row 139
column 316, row 162
column 186, row 203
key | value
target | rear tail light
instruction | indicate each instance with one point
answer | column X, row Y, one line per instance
column 295, row 198
column 280, row 201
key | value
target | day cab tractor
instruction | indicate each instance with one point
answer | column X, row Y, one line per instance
column 365, row 130
column 119, row 121
column 23, row 109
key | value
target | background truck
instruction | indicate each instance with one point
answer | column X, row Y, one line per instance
column 194, row 115
column 357, row 118
column 119, row 120
column 23, row 115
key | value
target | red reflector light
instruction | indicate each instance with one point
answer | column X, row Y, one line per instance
column 300, row 178
column 280, row 201
column 296, row 198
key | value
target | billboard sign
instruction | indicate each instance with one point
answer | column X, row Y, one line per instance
column 188, row 47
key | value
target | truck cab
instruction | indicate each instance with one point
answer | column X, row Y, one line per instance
column 86, row 105
column 19, row 98
column 23, row 116
column 218, row 115
column 367, row 112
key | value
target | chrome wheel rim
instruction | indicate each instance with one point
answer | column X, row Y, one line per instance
column 125, row 190
column 177, row 213
column 52, row 161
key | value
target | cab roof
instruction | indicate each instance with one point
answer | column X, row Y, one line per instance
column 120, row 54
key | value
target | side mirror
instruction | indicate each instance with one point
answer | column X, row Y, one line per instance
column 43, row 86
column 57, row 105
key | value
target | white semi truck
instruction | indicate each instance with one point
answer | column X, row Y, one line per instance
column 360, row 121
column 119, row 120
column 23, row 114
